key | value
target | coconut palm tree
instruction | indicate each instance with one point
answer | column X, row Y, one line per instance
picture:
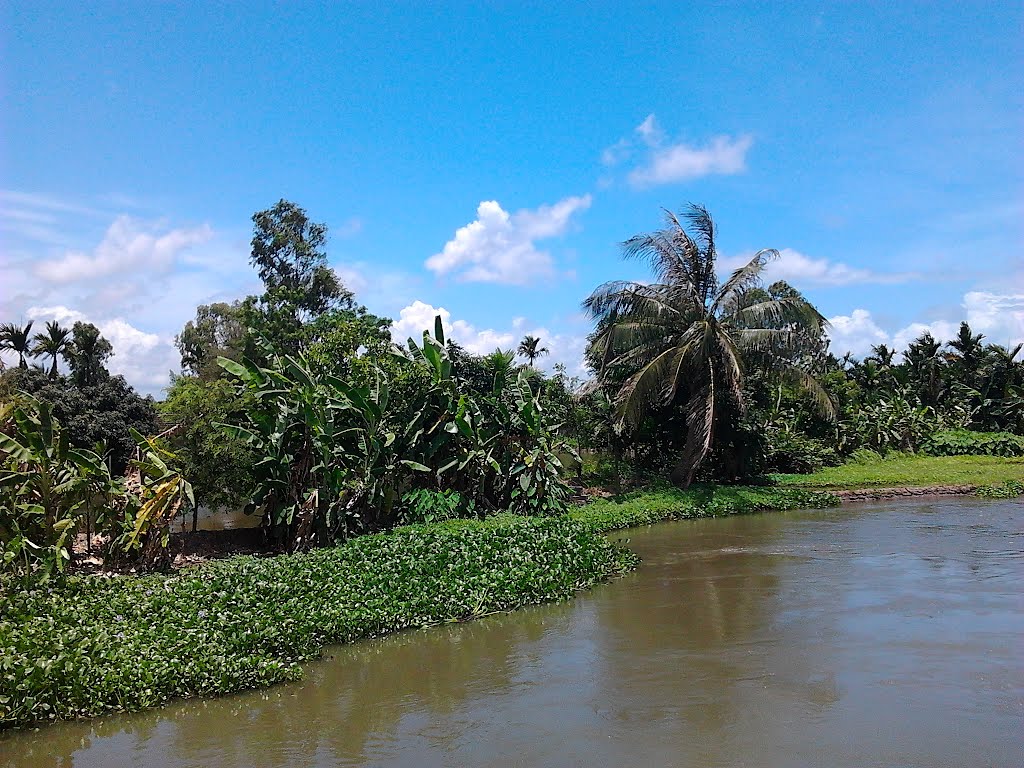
column 87, row 353
column 685, row 337
column 967, row 352
column 530, row 348
column 925, row 362
column 54, row 343
column 17, row 338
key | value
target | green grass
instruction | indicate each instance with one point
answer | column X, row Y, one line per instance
column 652, row 506
column 901, row 470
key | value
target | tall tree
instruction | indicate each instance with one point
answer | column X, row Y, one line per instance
column 925, row 363
column 685, row 336
column 87, row 354
column 531, row 349
column 288, row 252
column 967, row 352
column 216, row 331
column 18, row 339
column 54, row 343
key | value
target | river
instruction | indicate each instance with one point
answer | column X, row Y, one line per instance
column 883, row 634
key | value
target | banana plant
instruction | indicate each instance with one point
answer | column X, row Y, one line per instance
column 157, row 493
column 46, row 488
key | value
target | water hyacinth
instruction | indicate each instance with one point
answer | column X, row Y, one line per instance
column 102, row 644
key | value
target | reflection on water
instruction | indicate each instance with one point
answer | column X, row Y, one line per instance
column 888, row 634
column 218, row 519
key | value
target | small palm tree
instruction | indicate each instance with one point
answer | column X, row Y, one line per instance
column 87, row 353
column 531, row 349
column 882, row 355
column 686, row 336
column 925, row 363
column 967, row 351
column 54, row 343
column 17, row 338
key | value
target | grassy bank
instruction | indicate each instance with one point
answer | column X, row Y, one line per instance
column 911, row 471
column 104, row 644
column 653, row 506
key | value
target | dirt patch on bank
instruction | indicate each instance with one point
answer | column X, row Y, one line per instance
column 876, row 494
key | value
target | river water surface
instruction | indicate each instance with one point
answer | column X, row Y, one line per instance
column 889, row 634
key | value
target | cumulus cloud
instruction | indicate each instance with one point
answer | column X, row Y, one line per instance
column 144, row 359
column 801, row 270
column 129, row 246
column 855, row 333
column 941, row 331
column 1000, row 317
column 665, row 162
column 419, row 316
column 499, row 247
column 722, row 156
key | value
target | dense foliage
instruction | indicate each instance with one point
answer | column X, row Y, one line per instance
column 683, row 341
column 103, row 413
column 719, row 381
column 50, row 489
column 965, row 442
column 646, row 507
column 336, row 457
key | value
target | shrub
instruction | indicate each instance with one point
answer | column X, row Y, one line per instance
column 964, row 442
column 427, row 506
column 795, row 453
column 1011, row 489
column 644, row 508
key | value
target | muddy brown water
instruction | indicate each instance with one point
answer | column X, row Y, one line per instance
column 882, row 634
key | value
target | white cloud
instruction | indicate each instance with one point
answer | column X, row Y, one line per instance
column 617, row 152
column 665, row 162
column 419, row 316
column 941, row 331
column 801, row 270
column 650, row 131
column 1000, row 317
column 499, row 247
column 144, row 359
column 721, row 156
column 855, row 333
column 129, row 247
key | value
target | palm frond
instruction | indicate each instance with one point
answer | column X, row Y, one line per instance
column 729, row 298
column 821, row 399
column 646, row 386
column 793, row 311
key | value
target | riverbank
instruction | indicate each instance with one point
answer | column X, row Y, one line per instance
column 100, row 644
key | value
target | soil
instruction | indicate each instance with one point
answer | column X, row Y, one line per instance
column 874, row 494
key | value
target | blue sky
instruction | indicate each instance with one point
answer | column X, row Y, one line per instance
column 487, row 159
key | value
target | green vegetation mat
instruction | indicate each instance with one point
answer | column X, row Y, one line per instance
column 911, row 471
column 103, row 644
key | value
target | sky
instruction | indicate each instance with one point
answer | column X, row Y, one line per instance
column 484, row 160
